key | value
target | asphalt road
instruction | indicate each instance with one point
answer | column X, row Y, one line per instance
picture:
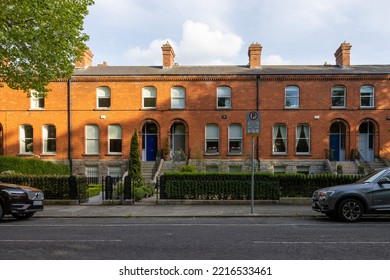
column 194, row 238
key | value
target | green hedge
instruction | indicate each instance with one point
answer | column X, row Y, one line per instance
column 32, row 166
column 53, row 187
column 217, row 186
column 237, row 186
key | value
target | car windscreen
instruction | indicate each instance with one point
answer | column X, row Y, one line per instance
column 372, row 177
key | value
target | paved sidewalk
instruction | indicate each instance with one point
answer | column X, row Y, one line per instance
column 153, row 210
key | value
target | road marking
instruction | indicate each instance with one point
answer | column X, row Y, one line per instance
column 59, row 240
column 323, row 242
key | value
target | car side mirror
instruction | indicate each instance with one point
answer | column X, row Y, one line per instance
column 384, row 180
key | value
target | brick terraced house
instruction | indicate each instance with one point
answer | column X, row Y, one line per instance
column 311, row 116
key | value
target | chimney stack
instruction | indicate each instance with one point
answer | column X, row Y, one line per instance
column 343, row 54
column 168, row 55
column 86, row 60
column 254, row 53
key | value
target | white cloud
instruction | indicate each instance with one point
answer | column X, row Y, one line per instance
column 275, row 59
column 199, row 46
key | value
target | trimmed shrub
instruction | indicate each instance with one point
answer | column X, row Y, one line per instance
column 32, row 166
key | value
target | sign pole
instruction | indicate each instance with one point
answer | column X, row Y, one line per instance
column 253, row 176
column 253, row 129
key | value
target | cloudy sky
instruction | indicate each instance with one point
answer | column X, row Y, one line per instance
column 217, row 32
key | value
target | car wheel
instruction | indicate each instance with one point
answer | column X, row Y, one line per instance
column 350, row 210
column 23, row 216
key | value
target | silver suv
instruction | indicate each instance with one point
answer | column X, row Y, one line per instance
column 369, row 195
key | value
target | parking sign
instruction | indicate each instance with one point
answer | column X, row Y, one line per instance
column 253, row 123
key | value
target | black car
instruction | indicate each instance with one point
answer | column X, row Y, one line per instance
column 20, row 201
column 369, row 195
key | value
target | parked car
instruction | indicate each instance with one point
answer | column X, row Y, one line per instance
column 20, row 201
column 369, row 195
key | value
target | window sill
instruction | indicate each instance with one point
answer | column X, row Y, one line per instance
column 235, row 154
column 90, row 155
column 280, row 154
column 367, row 108
column 25, row 154
column 36, row 109
column 338, row 108
column 303, row 154
column 48, row 154
column 223, row 108
column 114, row 154
column 103, row 109
column 291, row 108
column 149, row 109
column 211, row 154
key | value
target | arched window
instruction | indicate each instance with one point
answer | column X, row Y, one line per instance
column 149, row 97
column 279, row 139
column 291, row 97
column 212, row 139
column 303, row 139
column 103, row 97
column 235, row 139
column 91, row 139
column 367, row 97
column 224, row 97
column 114, row 138
column 49, row 139
column 178, row 98
column 26, row 139
column 339, row 97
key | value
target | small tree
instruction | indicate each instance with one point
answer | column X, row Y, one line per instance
column 134, row 160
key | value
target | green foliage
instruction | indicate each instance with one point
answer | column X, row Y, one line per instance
column 135, row 159
column 54, row 187
column 187, row 169
column 175, row 185
column 40, row 41
column 218, row 186
column 139, row 194
column 32, row 166
column 94, row 189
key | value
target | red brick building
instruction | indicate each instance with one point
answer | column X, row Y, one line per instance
column 309, row 115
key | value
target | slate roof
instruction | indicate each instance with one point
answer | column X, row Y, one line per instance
column 232, row 70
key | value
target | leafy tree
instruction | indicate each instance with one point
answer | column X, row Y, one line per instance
column 134, row 160
column 40, row 40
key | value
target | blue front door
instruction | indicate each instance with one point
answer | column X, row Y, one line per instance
column 151, row 147
column 335, row 146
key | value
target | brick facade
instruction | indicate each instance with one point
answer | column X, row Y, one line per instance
column 309, row 129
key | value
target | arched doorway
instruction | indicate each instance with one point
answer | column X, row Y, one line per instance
column 149, row 141
column 178, row 140
column 366, row 140
column 337, row 137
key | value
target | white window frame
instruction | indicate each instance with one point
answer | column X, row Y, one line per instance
column 283, row 138
column 149, row 93
column 306, row 130
column 36, row 102
column 46, row 138
column 178, row 98
column 103, row 93
column 114, row 135
column 369, row 93
column 224, row 94
column 212, row 141
column 26, row 143
column 92, row 138
column 234, row 139
column 337, row 89
column 114, row 172
column 291, row 97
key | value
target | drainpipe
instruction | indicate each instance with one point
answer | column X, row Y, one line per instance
column 69, row 115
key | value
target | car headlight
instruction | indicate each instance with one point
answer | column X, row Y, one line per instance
column 16, row 193
column 322, row 195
